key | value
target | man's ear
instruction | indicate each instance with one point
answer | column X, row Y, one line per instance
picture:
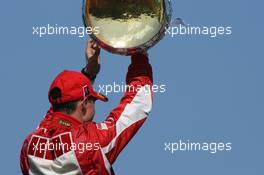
column 86, row 101
column 83, row 105
column 83, row 102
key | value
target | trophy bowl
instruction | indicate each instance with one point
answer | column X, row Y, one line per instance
column 126, row 26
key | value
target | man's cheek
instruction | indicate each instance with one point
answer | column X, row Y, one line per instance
column 90, row 112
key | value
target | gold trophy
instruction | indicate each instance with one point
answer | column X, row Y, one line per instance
column 126, row 26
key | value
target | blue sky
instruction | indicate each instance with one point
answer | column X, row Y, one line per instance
column 214, row 86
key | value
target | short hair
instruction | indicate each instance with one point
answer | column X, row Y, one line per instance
column 68, row 107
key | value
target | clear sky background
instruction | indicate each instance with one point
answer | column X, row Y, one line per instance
column 214, row 86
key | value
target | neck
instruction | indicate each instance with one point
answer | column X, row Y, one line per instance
column 77, row 116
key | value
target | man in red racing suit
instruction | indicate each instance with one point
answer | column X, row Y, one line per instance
column 63, row 144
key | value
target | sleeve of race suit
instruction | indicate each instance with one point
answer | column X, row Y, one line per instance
column 124, row 121
column 23, row 159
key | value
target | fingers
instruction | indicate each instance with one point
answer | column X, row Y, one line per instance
column 92, row 50
column 98, row 60
column 93, row 44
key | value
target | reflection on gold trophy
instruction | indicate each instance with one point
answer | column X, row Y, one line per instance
column 126, row 25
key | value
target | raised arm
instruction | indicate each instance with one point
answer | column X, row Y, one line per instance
column 92, row 67
column 124, row 121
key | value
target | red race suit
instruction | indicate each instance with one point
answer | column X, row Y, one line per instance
column 63, row 145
